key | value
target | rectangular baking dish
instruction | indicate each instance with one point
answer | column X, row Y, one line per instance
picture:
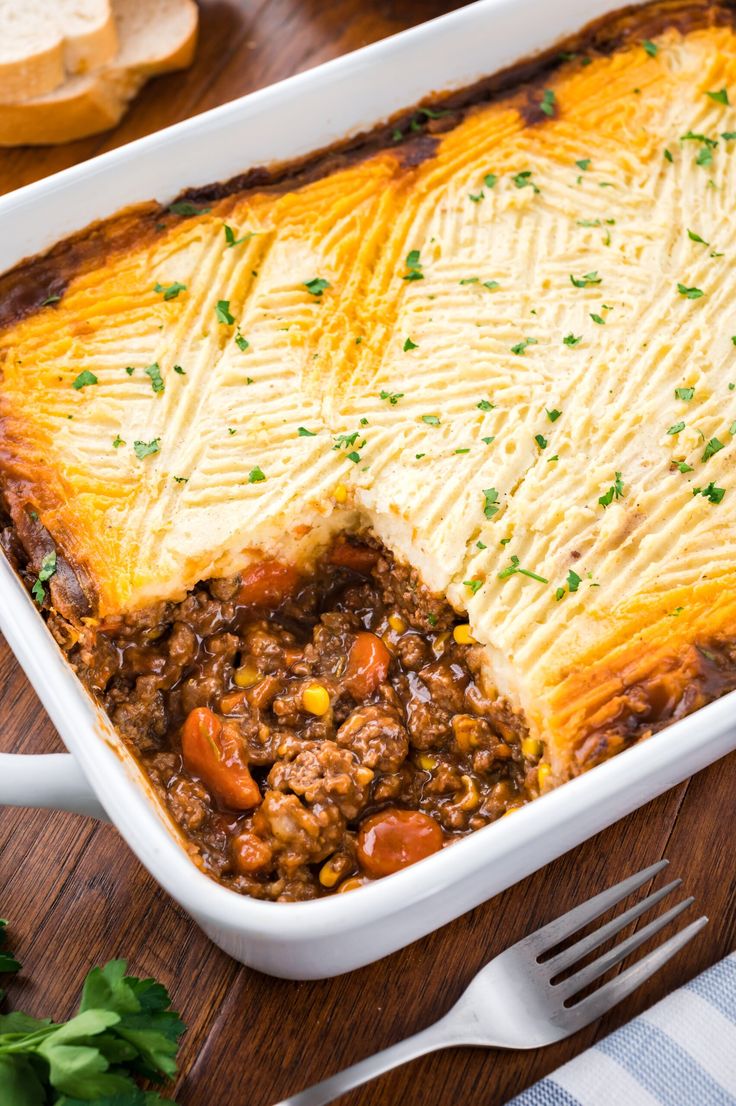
column 325, row 937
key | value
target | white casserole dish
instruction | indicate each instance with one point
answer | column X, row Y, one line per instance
column 280, row 123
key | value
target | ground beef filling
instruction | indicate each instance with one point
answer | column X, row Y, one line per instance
column 310, row 732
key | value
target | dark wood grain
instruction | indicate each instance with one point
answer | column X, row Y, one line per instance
column 77, row 897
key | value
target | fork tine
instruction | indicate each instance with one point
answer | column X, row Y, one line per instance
column 611, row 993
column 615, row 955
column 581, row 948
column 564, row 926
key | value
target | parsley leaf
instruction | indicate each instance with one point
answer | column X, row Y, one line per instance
column 684, row 393
column 616, row 491
column 490, row 502
column 689, row 293
column 473, row 585
column 713, row 446
column 650, row 47
column 45, row 572
column 413, row 266
column 711, row 492
column 222, row 311
column 170, row 291
column 183, row 207
column 117, row 442
column 84, row 379
column 541, row 441
column 676, row 428
column 316, row 286
column 520, row 347
column 231, row 240
column 491, row 285
column 304, row 433
column 485, row 405
column 682, row 466
column 548, row 102
column 584, row 163
column 524, row 180
column 515, row 567
column 720, row 97
column 256, row 475
column 146, row 449
column 392, row 397
column 586, row 279
column 49, row 300
column 408, row 344
column 154, row 372
column 490, row 180
column 179, row 370
column 572, row 340
column 241, row 342
column 431, row 420
column 597, row 319
column 553, row 415
column 696, row 238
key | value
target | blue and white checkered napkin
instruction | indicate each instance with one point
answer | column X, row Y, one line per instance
column 681, row 1052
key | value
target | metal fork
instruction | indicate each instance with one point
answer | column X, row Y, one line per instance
column 516, row 1001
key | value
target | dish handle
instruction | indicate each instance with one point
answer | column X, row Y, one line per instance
column 52, row 780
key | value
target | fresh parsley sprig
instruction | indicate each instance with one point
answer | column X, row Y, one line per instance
column 125, row 1030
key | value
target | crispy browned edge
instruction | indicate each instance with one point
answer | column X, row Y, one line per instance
column 26, row 287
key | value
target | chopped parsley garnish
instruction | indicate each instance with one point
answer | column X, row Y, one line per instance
column 117, row 442
column 616, row 491
column 180, row 479
column 408, row 344
column 689, row 293
column 179, row 370
column 49, row 300
column 553, row 415
column 667, row 155
column 431, row 420
column 684, row 393
column 353, row 456
column 130, row 369
column 461, row 451
column 146, row 449
column 489, row 440
column 222, row 311
column 732, row 429
column 490, row 180
column 597, row 319
column 413, row 266
column 346, row 440
column 491, row 285
column 711, row 492
column 316, row 286
column 232, row 240
column 541, row 441
column 480, row 545
column 676, row 428
column 683, row 466
column 713, row 446
column 704, row 156
column 256, row 475
column 476, row 197
column 392, row 397
column 573, row 583
column 45, row 572
column 304, row 433
column 490, row 502
column 232, row 430
column 520, row 347
column 515, row 568
column 524, row 180
column 548, row 102
column 696, row 238
column 469, row 280
column 572, row 339
column 154, row 372
column 473, row 585
column 586, row 279
column 241, row 342
column 583, row 163
column 693, row 136
column 170, row 291
column 720, row 97
column 183, row 207
column 650, row 47
column 485, row 405
column 84, row 379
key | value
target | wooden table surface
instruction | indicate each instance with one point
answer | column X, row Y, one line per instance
column 76, row 897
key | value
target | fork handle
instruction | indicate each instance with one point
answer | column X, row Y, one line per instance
column 434, row 1037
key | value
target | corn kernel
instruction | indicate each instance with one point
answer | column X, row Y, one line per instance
column 340, row 493
column 246, row 675
column 316, row 699
column 543, row 772
column 462, row 635
column 364, row 775
column 350, row 884
column 329, row 874
column 396, row 623
column 427, row 762
column 531, row 747
column 471, row 796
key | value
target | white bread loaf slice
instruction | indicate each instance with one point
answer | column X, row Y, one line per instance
column 155, row 37
column 43, row 44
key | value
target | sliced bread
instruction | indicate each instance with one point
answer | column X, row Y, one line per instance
column 41, row 44
column 155, row 36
